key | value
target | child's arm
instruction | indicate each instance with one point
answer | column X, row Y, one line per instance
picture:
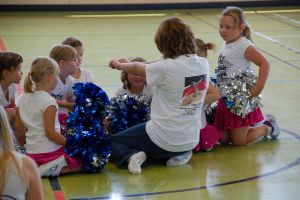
column 135, row 68
column 257, row 58
column 49, row 123
column 20, row 129
column 212, row 94
column 65, row 104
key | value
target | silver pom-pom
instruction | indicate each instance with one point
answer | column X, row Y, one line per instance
column 235, row 90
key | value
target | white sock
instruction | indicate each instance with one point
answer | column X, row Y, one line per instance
column 181, row 159
column 135, row 162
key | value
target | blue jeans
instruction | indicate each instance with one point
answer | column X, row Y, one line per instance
column 134, row 140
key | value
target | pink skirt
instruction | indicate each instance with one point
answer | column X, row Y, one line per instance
column 43, row 158
column 209, row 137
column 226, row 120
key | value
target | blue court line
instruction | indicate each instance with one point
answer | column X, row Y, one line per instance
column 276, row 171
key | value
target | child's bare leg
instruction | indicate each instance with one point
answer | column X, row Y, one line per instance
column 225, row 137
column 238, row 136
column 245, row 135
column 66, row 170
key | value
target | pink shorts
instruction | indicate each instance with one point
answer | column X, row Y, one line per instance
column 225, row 120
column 43, row 158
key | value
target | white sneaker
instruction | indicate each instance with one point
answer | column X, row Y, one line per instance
column 53, row 168
column 179, row 160
column 272, row 123
column 136, row 161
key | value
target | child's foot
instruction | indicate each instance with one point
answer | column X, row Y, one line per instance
column 181, row 159
column 271, row 122
column 53, row 168
column 135, row 162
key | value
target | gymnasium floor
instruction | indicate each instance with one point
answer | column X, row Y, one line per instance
column 268, row 170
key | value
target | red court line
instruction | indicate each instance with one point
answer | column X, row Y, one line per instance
column 57, row 192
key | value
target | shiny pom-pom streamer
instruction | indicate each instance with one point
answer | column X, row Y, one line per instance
column 235, row 90
column 86, row 138
column 126, row 111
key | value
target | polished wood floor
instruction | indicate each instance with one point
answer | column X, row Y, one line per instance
column 268, row 170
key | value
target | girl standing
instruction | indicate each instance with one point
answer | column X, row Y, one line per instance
column 236, row 56
column 38, row 113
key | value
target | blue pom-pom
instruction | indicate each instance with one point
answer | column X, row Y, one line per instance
column 86, row 139
column 125, row 111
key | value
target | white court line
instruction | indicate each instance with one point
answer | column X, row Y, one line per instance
column 277, row 42
column 287, row 18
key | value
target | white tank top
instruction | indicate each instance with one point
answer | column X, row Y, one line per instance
column 14, row 187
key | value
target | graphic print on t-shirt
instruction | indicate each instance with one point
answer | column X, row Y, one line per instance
column 193, row 92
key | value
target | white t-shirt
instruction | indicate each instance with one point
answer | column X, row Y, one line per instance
column 179, row 87
column 14, row 187
column 31, row 108
column 146, row 91
column 11, row 95
column 63, row 90
column 85, row 76
column 232, row 56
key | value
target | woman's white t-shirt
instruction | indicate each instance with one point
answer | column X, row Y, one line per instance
column 179, row 86
column 31, row 108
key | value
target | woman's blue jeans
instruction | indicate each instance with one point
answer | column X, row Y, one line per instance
column 134, row 140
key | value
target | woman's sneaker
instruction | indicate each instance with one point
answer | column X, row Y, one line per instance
column 274, row 127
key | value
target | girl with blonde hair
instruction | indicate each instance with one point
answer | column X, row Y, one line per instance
column 38, row 113
column 19, row 174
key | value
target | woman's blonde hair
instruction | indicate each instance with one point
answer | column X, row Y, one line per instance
column 239, row 19
column 174, row 38
column 40, row 67
column 63, row 52
column 202, row 47
column 124, row 75
column 7, row 158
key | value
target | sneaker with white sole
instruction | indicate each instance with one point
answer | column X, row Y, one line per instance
column 272, row 123
column 53, row 168
column 181, row 159
column 136, row 161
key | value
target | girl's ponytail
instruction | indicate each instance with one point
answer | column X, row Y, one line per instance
column 28, row 85
column 247, row 32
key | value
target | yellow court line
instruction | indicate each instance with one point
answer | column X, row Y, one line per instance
column 120, row 15
column 272, row 11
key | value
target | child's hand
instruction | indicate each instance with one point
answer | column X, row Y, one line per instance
column 123, row 60
column 114, row 64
